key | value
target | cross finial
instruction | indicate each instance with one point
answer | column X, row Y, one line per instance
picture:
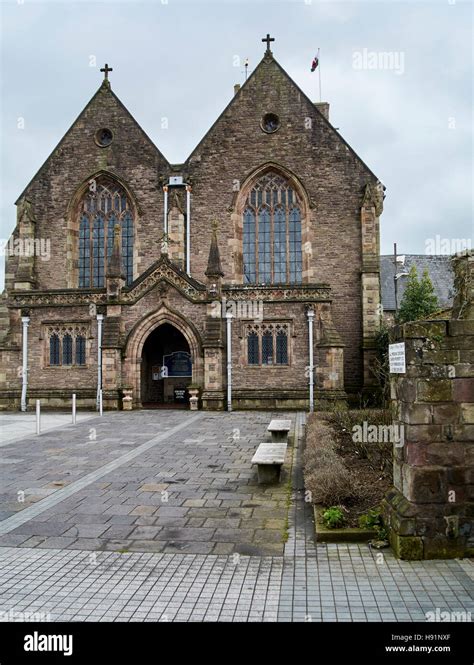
column 268, row 39
column 106, row 71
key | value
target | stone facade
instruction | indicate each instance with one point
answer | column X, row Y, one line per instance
column 430, row 511
column 340, row 201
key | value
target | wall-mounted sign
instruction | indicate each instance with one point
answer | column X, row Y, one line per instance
column 396, row 357
column 178, row 364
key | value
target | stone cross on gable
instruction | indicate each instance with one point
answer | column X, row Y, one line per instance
column 106, row 71
column 268, row 39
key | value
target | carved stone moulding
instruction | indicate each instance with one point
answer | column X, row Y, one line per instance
column 272, row 293
column 50, row 299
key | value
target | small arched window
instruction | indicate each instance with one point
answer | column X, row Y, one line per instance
column 281, row 348
column 267, row 348
column 252, row 349
column 54, row 350
column 67, row 349
column 80, row 350
column 103, row 206
column 271, row 248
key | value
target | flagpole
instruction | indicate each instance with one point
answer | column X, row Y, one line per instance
column 319, row 63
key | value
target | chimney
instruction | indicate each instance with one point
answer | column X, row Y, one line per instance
column 236, row 88
column 323, row 107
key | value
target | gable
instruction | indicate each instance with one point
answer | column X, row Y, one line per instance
column 78, row 146
column 270, row 89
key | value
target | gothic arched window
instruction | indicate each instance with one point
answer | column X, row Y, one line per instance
column 281, row 348
column 267, row 348
column 54, row 346
column 272, row 232
column 67, row 349
column 80, row 350
column 252, row 349
column 103, row 206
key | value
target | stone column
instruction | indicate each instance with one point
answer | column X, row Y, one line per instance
column 330, row 363
column 371, row 209
column 430, row 510
column 213, row 396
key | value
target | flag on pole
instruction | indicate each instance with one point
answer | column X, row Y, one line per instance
column 315, row 62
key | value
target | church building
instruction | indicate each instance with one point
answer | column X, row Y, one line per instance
column 250, row 271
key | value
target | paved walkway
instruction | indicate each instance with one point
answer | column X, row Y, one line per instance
column 194, row 536
column 147, row 481
column 16, row 426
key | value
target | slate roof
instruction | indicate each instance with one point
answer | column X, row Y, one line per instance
column 439, row 269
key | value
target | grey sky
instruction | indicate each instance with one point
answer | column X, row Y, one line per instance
column 177, row 60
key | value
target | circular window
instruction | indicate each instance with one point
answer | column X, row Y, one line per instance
column 103, row 137
column 270, row 123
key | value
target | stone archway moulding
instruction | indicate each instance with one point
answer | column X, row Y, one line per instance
column 138, row 337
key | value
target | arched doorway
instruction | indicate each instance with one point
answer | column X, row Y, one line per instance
column 166, row 368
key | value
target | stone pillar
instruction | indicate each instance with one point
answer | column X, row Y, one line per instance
column 330, row 360
column 213, row 396
column 25, row 278
column 371, row 209
column 430, row 510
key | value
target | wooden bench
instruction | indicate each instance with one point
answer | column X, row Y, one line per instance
column 269, row 458
column 279, row 430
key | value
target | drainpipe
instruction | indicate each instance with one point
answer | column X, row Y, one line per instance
column 100, row 318
column 311, row 359
column 165, row 212
column 25, row 320
column 228, row 317
column 188, row 229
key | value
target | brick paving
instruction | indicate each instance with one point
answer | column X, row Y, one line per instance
column 158, row 517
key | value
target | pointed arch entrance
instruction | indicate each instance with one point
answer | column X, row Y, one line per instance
column 166, row 367
column 150, row 348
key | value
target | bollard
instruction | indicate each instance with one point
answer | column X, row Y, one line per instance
column 74, row 408
column 38, row 416
column 100, row 403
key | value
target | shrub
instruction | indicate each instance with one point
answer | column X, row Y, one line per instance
column 334, row 517
column 373, row 520
column 379, row 453
column 326, row 477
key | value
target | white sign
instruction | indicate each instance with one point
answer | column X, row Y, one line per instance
column 396, row 356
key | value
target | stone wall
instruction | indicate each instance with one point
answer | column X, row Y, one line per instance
column 430, row 510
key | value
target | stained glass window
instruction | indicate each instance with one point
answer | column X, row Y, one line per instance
column 127, row 247
column 54, row 347
column 295, row 245
column 249, row 246
column 264, row 246
column 80, row 350
column 281, row 348
column 104, row 205
column 67, row 349
column 84, row 254
column 267, row 348
column 272, row 233
column 279, row 245
column 267, row 344
column 98, row 252
column 252, row 349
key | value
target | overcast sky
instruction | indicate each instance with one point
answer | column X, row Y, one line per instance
column 410, row 121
